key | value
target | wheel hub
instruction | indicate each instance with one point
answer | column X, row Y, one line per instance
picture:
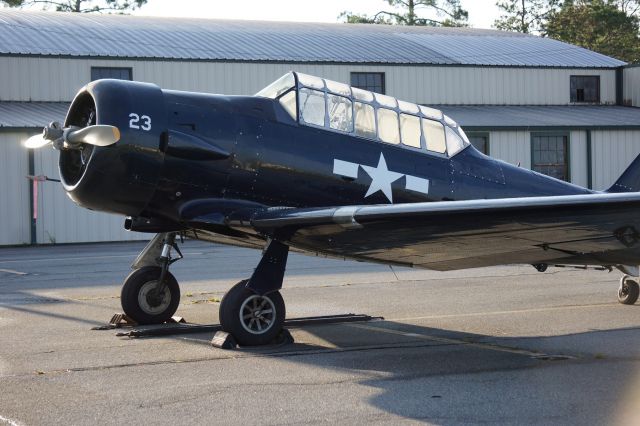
column 257, row 314
column 151, row 301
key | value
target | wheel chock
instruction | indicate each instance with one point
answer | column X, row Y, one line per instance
column 116, row 321
column 224, row 340
column 121, row 319
column 283, row 338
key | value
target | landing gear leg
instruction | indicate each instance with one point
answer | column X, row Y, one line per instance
column 629, row 290
column 151, row 294
column 253, row 310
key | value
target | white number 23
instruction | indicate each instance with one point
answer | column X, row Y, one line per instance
column 139, row 122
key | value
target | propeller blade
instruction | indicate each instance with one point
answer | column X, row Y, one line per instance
column 36, row 141
column 97, row 135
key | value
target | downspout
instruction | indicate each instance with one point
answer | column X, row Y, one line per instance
column 589, row 163
column 32, row 213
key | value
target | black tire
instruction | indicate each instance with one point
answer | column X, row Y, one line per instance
column 628, row 291
column 248, row 332
column 149, row 309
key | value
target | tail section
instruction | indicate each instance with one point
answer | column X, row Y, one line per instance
column 629, row 181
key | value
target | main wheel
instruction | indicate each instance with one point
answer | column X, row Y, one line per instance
column 251, row 319
column 628, row 291
column 143, row 303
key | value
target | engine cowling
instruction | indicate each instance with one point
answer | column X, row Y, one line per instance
column 120, row 178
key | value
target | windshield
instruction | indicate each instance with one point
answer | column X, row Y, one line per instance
column 278, row 87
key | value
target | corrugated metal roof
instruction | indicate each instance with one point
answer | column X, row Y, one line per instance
column 31, row 114
column 82, row 35
column 525, row 116
column 38, row 114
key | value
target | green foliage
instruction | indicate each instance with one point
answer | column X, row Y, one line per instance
column 80, row 6
column 525, row 16
column 448, row 13
column 608, row 27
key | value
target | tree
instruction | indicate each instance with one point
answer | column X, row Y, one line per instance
column 81, row 6
column 525, row 16
column 448, row 13
column 599, row 25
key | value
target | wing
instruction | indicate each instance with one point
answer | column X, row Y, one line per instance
column 594, row 229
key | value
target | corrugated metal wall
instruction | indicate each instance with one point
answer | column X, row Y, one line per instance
column 14, row 189
column 511, row 146
column 631, row 85
column 515, row 147
column 56, row 79
column 62, row 221
column 578, row 166
column 59, row 219
column 612, row 152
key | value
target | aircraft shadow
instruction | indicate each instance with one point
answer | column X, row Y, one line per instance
column 422, row 372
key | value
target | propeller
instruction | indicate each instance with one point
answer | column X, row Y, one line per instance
column 73, row 137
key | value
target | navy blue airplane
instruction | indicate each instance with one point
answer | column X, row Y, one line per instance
column 326, row 169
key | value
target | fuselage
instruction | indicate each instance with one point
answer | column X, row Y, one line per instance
column 202, row 151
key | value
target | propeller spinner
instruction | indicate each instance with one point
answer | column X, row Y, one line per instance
column 73, row 137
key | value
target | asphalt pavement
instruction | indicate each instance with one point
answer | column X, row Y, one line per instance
column 503, row 345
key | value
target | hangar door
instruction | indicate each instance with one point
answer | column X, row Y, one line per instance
column 59, row 220
column 14, row 190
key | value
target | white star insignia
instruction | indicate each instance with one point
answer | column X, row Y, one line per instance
column 381, row 178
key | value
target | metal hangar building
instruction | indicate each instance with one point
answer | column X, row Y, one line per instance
column 546, row 105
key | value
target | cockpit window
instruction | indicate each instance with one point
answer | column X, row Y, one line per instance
column 410, row 129
column 278, row 87
column 340, row 113
column 431, row 112
column 464, row 136
column 365, row 120
column 450, row 121
column 408, row 107
column 339, row 88
column 386, row 101
column 312, row 106
column 388, row 130
column 311, row 81
column 434, row 135
column 362, row 95
column 455, row 144
column 337, row 107
column 288, row 101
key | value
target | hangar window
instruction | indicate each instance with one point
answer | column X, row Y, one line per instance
column 111, row 72
column 340, row 113
column 312, row 109
column 388, row 130
column 480, row 141
column 372, row 81
column 410, row 129
column 365, row 120
column 585, row 88
column 434, row 135
column 549, row 155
